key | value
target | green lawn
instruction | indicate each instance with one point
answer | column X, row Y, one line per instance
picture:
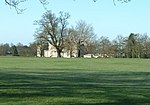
column 49, row 81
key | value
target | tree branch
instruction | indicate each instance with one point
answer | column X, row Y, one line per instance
column 15, row 4
column 122, row 1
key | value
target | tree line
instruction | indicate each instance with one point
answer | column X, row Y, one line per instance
column 81, row 37
column 18, row 50
column 54, row 30
column 133, row 46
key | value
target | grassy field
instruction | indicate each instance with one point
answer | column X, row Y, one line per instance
column 49, row 81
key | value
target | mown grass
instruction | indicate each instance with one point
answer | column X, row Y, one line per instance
column 49, row 81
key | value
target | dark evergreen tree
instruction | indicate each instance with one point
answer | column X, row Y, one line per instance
column 131, row 45
column 15, row 51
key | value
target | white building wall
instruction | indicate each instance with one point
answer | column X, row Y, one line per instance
column 52, row 52
column 38, row 52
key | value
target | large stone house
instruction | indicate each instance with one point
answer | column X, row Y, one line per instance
column 52, row 52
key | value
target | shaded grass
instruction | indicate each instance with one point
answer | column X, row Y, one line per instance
column 35, row 81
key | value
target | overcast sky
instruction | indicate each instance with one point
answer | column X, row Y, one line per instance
column 106, row 18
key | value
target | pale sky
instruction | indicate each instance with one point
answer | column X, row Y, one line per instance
column 106, row 18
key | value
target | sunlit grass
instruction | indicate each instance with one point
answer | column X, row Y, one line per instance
column 49, row 81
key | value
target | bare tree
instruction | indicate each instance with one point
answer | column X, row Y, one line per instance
column 70, row 42
column 41, row 42
column 142, row 45
column 104, row 46
column 80, row 36
column 54, row 29
column 119, row 46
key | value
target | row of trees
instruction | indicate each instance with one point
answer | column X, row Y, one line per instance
column 53, row 29
column 134, row 46
column 18, row 50
column 81, row 37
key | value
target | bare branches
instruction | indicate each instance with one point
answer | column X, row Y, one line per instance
column 122, row 1
column 114, row 1
column 44, row 3
column 15, row 4
column 54, row 27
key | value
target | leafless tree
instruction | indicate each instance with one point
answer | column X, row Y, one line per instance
column 81, row 35
column 104, row 46
column 53, row 29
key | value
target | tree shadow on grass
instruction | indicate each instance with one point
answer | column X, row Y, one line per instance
column 86, row 88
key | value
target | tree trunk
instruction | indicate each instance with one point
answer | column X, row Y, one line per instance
column 79, row 48
column 71, row 50
column 59, row 51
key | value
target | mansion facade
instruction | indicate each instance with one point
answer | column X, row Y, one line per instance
column 52, row 52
